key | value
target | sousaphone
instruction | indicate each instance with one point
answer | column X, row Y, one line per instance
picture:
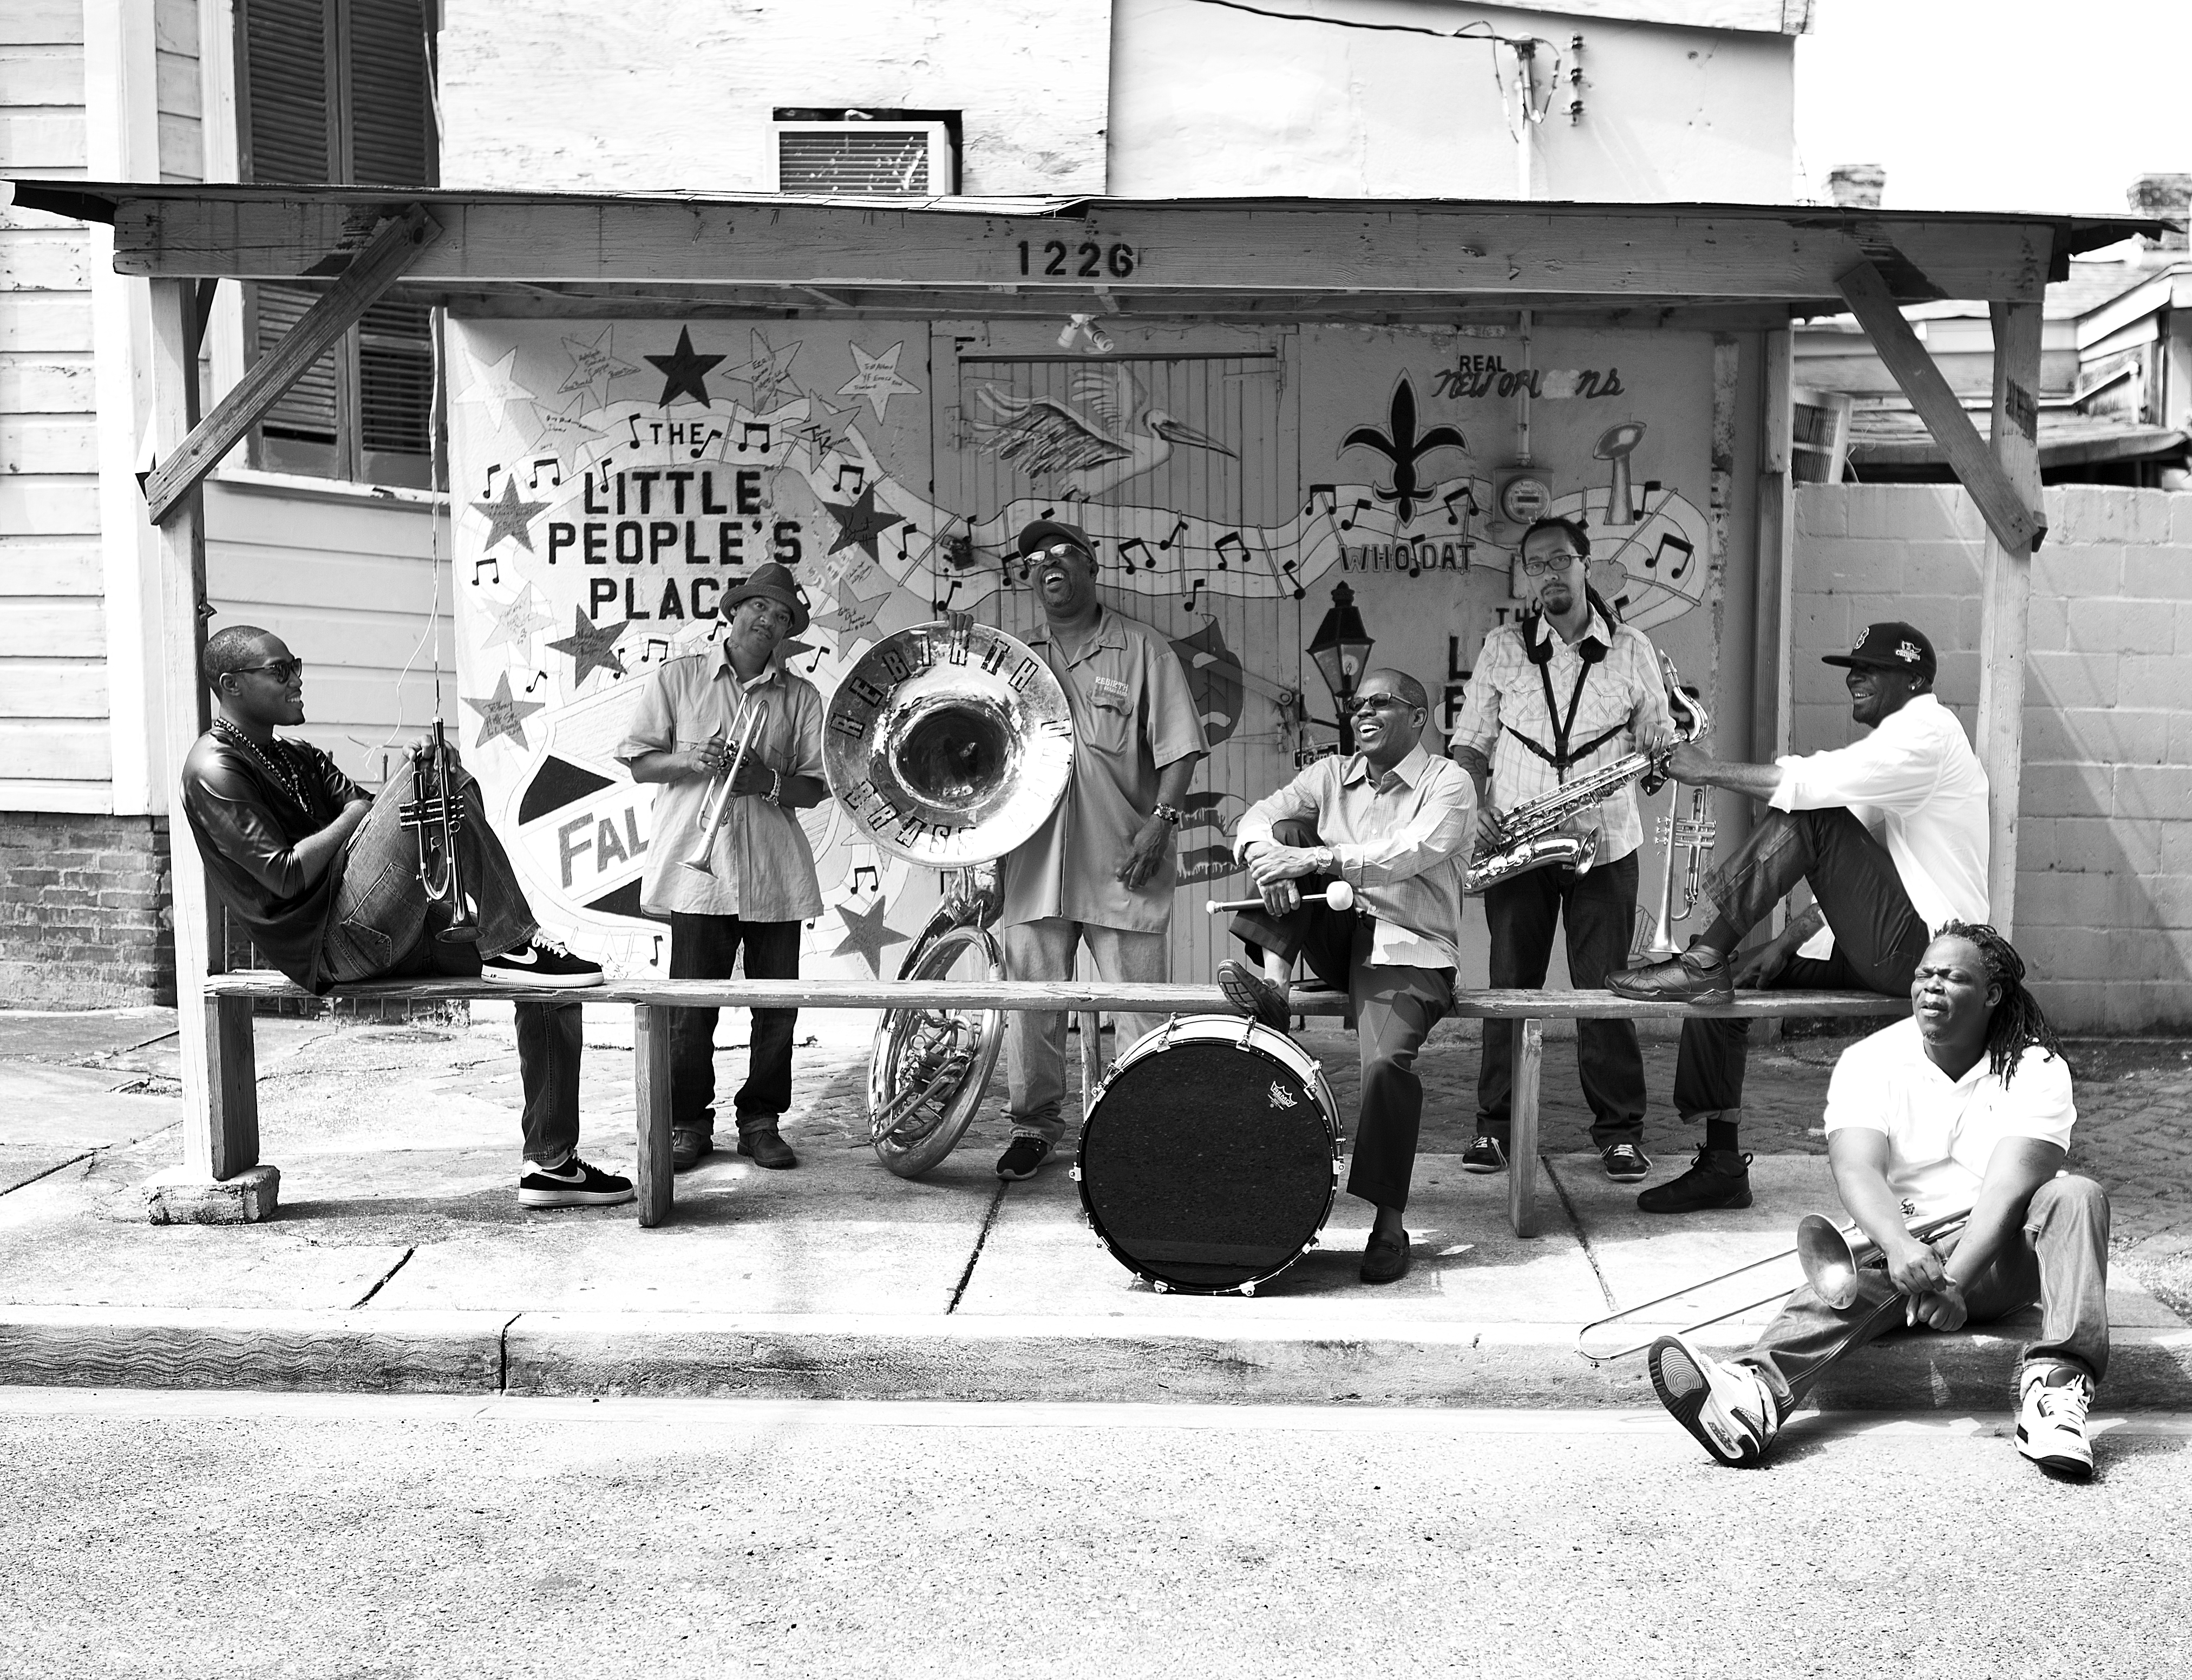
column 949, row 743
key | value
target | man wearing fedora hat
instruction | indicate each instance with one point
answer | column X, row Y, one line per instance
column 1876, row 901
column 1101, row 871
column 760, row 885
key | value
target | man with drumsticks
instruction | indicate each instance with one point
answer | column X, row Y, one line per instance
column 1100, row 870
column 327, row 880
column 1966, row 1104
column 1396, row 826
column 758, row 884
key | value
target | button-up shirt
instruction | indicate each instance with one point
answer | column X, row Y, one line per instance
column 1916, row 779
column 1941, row 1131
column 1622, row 700
column 1402, row 840
column 1133, row 715
column 764, row 868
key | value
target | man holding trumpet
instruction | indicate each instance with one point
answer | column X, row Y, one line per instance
column 734, row 741
column 1966, row 1104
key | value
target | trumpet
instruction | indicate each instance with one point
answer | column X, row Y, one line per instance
column 1829, row 1259
column 434, row 812
column 719, row 796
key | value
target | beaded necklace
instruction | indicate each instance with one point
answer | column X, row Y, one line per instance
column 281, row 773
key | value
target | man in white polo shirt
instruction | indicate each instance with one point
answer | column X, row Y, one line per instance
column 1876, row 900
column 1966, row 1104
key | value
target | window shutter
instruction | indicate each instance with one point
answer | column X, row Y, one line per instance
column 862, row 159
column 307, row 408
column 389, row 103
column 285, row 51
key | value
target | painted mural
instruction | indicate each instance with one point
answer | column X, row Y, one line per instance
column 611, row 480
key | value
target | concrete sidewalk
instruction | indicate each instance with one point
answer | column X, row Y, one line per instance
column 400, row 1260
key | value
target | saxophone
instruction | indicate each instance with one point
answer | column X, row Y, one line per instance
column 1528, row 836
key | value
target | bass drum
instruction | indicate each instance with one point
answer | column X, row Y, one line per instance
column 1209, row 1162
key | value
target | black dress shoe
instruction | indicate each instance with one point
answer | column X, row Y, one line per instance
column 1718, row 1178
column 687, row 1147
column 1697, row 975
column 1385, row 1261
column 765, row 1149
column 1253, row 995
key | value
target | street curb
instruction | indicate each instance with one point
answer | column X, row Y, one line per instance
column 1204, row 1360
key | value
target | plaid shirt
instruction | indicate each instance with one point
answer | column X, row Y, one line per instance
column 1622, row 705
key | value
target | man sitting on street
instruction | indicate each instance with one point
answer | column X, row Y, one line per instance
column 1966, row 1104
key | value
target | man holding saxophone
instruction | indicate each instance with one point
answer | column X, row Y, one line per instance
column 735, row 742
column 1558, row 694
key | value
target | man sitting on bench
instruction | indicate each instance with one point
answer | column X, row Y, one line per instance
column 325, row 880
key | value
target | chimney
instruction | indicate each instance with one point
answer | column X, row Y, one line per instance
column 2163, row 197
column 1856, row 186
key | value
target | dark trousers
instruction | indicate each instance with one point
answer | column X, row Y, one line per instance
column 2060, row 1259
column 1598, row 909
column 1394, row 1010
column 1878, row 936
column 704, row 947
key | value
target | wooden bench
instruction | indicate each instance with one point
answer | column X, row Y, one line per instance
column 232, row 1075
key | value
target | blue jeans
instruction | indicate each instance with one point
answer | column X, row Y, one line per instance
column 704, row 947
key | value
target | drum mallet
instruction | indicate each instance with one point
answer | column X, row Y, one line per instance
column 1337, row 896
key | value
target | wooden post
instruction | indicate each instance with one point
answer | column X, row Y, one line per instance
column 1092, row 1060
column 221, row 1180
column 650, row 1085
column 2007, row 599
column 1769, row 656
column 1522, row 1140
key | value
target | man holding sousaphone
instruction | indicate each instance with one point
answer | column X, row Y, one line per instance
column 734, row 742
column 334, row 885
column 1964, row 1109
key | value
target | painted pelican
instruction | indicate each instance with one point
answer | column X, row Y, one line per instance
column 1106, row 436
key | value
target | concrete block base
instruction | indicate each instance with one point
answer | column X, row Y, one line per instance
column 179, row 1197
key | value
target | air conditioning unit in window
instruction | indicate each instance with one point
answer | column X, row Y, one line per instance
column 881, row 159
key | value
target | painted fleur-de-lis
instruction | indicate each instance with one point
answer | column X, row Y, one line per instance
column 1404, row 449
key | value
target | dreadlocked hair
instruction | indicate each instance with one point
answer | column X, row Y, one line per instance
column 2016, row 1023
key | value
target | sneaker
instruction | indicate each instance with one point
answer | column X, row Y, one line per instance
column 1697, row 975
column 1725, row 1404
column 1625, row 1163
column 543, row 963
column 1253, row 996
column 572, row 1184
column 2051, row 1420
column 1022, row 1157
column 1484, row 1155
column 1718, row 1178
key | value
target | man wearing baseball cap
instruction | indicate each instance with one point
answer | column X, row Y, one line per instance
column 759, row 885
column 1099, row 873
column 1877, row 900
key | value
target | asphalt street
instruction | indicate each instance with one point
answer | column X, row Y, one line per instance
column 379, row 1539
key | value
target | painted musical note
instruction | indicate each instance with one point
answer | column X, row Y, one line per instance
column 943, row 604
column 1194, row 595
column 488, row 494
column 490, row 565
column 1683, row 552
column 1361, row 507
column 1331, row 494
column 746, row 430
column 1287, row 574
column 646, row 654
column 867, row 878
column 700, row 447
column 1167, row 542
column 859, row 478
column 1233, row 539
column 539, row 678
column 820, row 654
column 655, row 960
column 555, row 472
column 1452, row 517
column 1127, row 558
column 632, row 421
column 905, row 536
column 1047, row 513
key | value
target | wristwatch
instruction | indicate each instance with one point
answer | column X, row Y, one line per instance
column 1171, row 814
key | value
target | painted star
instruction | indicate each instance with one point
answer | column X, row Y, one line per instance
column 509, row 517
column 861, row 522
column 518, row 620
column 769, row 373
column 504, row 714
column 592, row 367
column 878, row 377
column 560, row 429
column 866, row 933
column 854, row 613
column 682, row 371
column 592, row 647
column 493, row 387
column 826, row 430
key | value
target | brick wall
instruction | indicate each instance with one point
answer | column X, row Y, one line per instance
column 2104, row 867
column 84, row 913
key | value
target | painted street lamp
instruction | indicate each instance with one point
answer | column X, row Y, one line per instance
column 1341, row 648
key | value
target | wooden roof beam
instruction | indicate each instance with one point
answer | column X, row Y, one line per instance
column 394, row 246
column 2016, row 524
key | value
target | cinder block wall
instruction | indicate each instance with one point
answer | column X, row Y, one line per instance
column 85, row 917
column 2104, row 864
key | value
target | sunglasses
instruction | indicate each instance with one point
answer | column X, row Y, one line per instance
column 1057, row 551
column 1376, row 703
column 282, row 670
column 1550, row 563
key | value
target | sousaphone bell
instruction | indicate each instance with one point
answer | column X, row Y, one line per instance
column 949, row 744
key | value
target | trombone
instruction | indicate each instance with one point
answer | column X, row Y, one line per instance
column 434, row 812
column 1831, row 1256
column 711, row 824
column 1697, row 834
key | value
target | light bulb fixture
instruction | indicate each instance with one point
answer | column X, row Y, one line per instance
column 1083, row 329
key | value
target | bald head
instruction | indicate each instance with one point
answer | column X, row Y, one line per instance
column 236, row 648
column 1399, row 682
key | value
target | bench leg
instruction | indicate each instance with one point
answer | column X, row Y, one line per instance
column 650, row 1082
column 1091, row 1059
column 221, row 1181
column 1523, row 1144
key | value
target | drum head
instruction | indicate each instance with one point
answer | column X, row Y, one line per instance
column 1207, row 1165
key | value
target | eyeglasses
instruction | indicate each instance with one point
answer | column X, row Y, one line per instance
column 1362, row 703
column 282, row 670
column 1550, row 563
column 1057, row 551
